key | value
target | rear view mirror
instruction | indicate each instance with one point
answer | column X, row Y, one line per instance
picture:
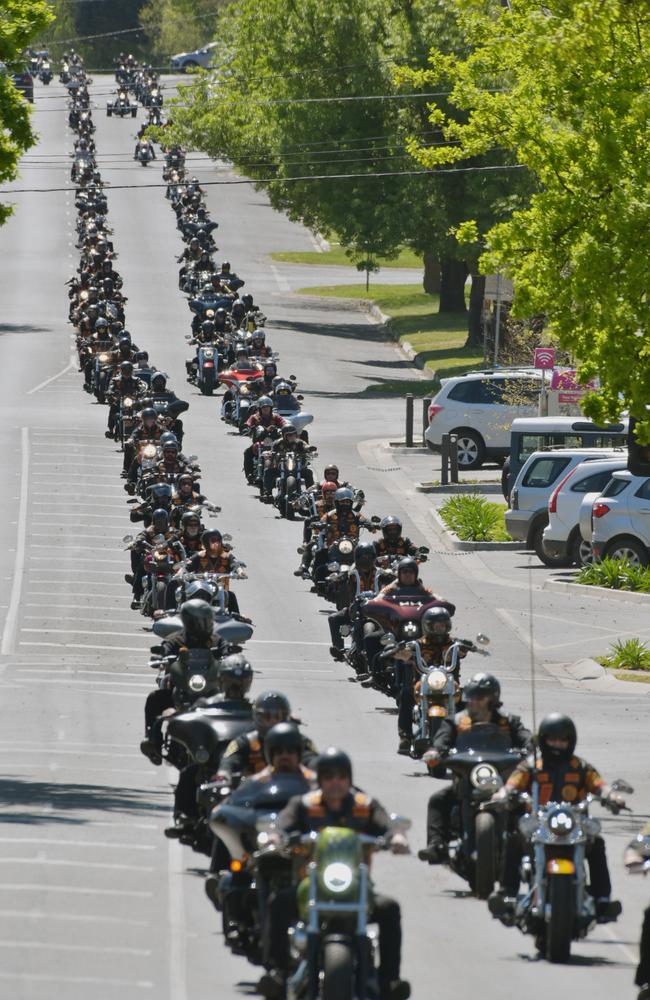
column 483, row 640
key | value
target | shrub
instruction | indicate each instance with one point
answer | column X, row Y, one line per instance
column 473, row 518
column 617, row 574
column 628, row 654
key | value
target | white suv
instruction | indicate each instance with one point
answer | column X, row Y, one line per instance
column 561, row 540
column 620, row 519
column 189, row 60
column 479, row 408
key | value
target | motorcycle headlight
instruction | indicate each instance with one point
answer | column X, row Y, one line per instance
column 244, row 390
column 201, row 755
column 436, row 680
column 208, row 355
column 197, row 682
column 410, row 630
column 104, row 359
column 127, row 403
column 83, row 296
column 346, row 547
column 337, row 877
column 561, row 822
column 484, row 775
column 149, row 451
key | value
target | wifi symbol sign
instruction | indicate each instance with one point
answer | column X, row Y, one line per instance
column 544, row 357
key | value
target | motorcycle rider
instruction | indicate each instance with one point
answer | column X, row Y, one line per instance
column 408, row 582
column 148, row 430
column 336, row 802
column 393, row 543
column 264, row 418
column 214, row 557
column 311, row 525
column 158, row 529
column 337, row 523
column 555, row 774
column 434, row 644
column 637, row 852
column 150, row 151
column 245, row 755
column 197, row 633
column 120, row 387
column 185, row 498
column 483, row 700
column 366, row 576
column 289, row 442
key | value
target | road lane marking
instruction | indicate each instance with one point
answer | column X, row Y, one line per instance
column 74, row 917
column 280, row 280
column 74, row 890
column 176, row 917
column 11, row 620
column 103, row 845
column 103, row 865
column 71, row 366
column 46, row 977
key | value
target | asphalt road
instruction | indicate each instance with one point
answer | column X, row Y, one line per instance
column 94, row 900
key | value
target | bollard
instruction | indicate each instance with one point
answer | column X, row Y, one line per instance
column 444, row 460
column 426, row 402
column 453, row 457
column 409, row 419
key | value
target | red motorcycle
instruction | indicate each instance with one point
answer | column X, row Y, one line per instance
column 241, row 392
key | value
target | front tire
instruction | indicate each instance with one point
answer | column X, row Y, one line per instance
column 338, row 971
column 470, row 449
column 559, row 929
column 486, row 844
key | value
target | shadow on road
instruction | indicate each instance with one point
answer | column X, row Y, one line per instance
column 22, row 328
column 35, row 802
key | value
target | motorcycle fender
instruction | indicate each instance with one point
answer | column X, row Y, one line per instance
column 560, row 866
column 437, row 712
column 208, row 364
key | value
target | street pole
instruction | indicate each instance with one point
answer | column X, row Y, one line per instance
column 497, row 322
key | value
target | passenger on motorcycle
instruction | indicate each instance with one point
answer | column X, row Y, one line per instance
column 197, row 633
column 555, row 774
column 336, row 802
column 483, row 700
column 265, row 418
column 408, row 581
column 184, row 498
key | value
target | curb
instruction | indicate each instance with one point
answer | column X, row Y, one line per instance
column 590, row 674
column 452, row 539
column 565, row 587
column 493, row 489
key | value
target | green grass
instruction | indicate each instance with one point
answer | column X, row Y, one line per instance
column 627, row 654
column 437, row 340
column 616, row 574
column 336, row 256
column 475, row 519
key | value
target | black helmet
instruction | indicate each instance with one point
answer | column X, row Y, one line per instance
column 331, row 469
column 364, row 555
column 197, row 619
column 161, row 493
column 344, row 496
column 170, row 445
column 561, row 727
column 285, row 736
column 289, row 429
column 270, row 707
column 225, row 265
column 101, row 323
column 185, row 477
column 391, row 527
column 406, row 564
column 190, row 517
column 211, row 535
column 160, row 520
column 482, row 685
column 124, row 343
column 126, row 368
column 168, row 438
column 207, row 327
column 333, row 759
column 235, row 675
column 148, row 413
column 264, row 401
column 436, row 622
column 247, row 300
column 194, row 242
column 159, row 377
column 283, row 389
column 199, row 589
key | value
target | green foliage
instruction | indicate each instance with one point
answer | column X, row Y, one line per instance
column 114, row 22
column 563, row 91
column 179, row 25
column 616, row 574
column 473, row 518
column 627, row 654
column 21, row 21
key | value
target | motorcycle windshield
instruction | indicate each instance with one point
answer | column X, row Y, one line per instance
column 484, row 738
column 269, row 796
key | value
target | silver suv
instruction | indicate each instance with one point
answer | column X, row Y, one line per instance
column 190, row 60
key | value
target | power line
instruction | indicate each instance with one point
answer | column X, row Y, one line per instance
column 123, row 31
column 284, row 180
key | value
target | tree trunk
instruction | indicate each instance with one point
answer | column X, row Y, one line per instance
column 431, row 279
column 474, row 317
column 453, row 274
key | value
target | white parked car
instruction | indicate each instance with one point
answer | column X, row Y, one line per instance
column 527, row 516
column 620, row 520
column 561, row 540
column 479, row 408
column 189, row 60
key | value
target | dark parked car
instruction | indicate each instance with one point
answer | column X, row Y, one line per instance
column 24, row 82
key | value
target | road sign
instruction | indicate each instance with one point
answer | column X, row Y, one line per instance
column 544, row 357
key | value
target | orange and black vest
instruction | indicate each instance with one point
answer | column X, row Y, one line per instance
column 400, row 548
column 563, row 781
column 356, row 812
column 337, row 525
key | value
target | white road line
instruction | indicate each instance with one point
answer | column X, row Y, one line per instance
column 83, row 631
column 75, row 890
column 9, row 630
column 73, row 753
column 74, row 503
column 69, row 593
column 176, row 916
column 71, row 365
column 280, row 280
column 95, row 684
column 99, row 949
column 285, row 642
column 79, row 843
column 63, row 618
column 47, row 977
column 57, row 862
column 74, row 917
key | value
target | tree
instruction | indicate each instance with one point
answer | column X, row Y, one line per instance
column 563, row 89
column 21, row 21
column 179, row 25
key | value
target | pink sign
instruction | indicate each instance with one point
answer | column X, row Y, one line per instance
column 567, row 380
column 544, row 357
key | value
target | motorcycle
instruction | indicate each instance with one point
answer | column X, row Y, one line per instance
column 332, row 948
column 289, row 483
column 557, row 908
column 45, row 73
column 144, row 153
column 121, row 106
column 238, row 380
